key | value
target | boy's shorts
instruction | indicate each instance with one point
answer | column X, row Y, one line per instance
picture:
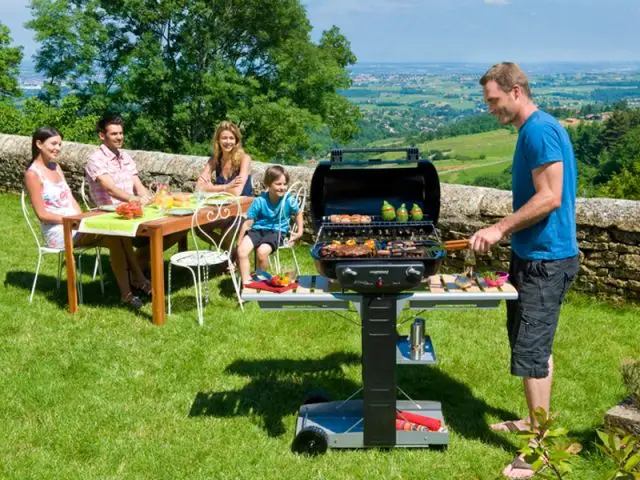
column 269, row 237
column 532, row 319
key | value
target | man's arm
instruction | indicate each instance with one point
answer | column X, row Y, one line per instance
column 140, row 189
column 107, row 183
column 547, row 180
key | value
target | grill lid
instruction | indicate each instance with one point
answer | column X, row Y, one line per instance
column 360, row 186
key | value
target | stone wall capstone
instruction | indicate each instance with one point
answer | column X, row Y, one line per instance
column 608, row 229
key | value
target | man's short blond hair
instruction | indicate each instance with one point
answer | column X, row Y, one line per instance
column 507, row 75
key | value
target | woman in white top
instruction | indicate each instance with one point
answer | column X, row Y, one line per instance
column 52, row 199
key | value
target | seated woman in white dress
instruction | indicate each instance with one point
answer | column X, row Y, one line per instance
column 52, row 199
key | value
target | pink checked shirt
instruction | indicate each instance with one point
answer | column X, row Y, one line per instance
column 120, row 168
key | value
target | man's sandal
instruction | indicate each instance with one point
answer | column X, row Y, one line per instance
column 144, row 288
column 508, row 426
column 130, row 300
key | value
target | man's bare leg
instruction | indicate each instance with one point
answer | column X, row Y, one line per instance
column 538, row 391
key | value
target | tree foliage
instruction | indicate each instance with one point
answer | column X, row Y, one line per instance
column 608, row 154
column 10, row 58
column 176, row 68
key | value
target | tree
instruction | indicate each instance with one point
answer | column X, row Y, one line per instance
column 10, row 58
column 176, row 68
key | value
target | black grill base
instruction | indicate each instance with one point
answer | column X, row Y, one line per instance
column 379, row 369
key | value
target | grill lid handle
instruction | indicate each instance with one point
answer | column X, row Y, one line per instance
column 413, row 154
column 413, row 274
column 348, row 272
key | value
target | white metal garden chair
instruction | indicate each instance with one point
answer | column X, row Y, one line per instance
column 89, row 205
column 298, row 191
column 43, row 250
column 199, row 260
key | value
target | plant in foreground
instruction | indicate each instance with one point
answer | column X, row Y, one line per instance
column 548, row 448
column 622, row 448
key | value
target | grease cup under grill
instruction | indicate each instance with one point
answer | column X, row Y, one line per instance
column 416, row 339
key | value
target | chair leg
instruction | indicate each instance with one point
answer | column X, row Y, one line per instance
column 236, row 286
column 79, row 279
column 59, row 269
column 295, row 261
column 198, row 296
column 277, row 260
column 169, row 292
column 99, row 265
column 35, row 280
column 205, row 268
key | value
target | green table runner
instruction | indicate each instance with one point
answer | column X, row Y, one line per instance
column 114, row 224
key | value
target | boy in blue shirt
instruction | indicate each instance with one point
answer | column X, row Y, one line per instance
column 544, row 259
column 267, row 223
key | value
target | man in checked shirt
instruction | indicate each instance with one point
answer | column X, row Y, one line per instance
column 112, row 177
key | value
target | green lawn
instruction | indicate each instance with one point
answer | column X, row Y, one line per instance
column 104, row 394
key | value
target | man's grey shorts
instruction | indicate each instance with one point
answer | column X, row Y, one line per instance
column 532, row 319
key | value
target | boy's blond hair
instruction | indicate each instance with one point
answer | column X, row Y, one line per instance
column 273, row 173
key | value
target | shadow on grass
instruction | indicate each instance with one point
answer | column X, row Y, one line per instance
column 91, row 292
column 464, row 413
column 278, row 387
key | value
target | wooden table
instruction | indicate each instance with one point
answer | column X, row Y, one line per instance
column 155, row 230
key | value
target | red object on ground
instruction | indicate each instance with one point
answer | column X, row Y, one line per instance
column 263, row 285
column 409, row 426
column 431, row 423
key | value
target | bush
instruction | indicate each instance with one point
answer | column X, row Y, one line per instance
column 631, row 377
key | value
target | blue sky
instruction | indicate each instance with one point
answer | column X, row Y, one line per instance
column 457, row 30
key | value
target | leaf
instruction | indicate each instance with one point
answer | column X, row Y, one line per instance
column 632, row 462
column 574, row 448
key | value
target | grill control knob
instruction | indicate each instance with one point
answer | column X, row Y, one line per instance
column 347, row 272
column 413, row 275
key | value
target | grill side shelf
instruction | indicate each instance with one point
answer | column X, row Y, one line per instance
column 438, row 291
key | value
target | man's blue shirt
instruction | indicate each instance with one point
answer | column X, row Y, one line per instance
column 266, row 215
column 543, row 140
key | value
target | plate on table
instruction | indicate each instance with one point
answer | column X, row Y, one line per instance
column 180, row 211
column 217, row 201
column 108, row 208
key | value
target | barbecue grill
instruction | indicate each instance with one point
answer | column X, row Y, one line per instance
column 346, row 201
column 381, row 267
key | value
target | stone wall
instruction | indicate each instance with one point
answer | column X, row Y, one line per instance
column 608, row 230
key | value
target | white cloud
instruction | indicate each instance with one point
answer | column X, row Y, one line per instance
column 497, row 2
column 362, row 6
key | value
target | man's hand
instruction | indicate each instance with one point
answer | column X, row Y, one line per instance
column 483, row 239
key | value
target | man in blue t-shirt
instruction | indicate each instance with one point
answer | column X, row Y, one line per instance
column 544, row 258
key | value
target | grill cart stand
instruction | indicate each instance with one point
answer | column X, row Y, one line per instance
column 370, row 422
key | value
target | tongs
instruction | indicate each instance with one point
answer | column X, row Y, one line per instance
column 453, row 245
column 469, row 257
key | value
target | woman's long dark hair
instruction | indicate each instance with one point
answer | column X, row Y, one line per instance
column 42, row 134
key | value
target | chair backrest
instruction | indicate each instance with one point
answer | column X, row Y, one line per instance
column 229, row 208
column 28, row 216
column 86, row 198
column 298, row 191
column 257, row 186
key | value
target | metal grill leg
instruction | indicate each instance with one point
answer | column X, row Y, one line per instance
column 379, row 337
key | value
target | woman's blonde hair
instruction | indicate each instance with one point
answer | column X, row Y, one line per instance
column 237, row 153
